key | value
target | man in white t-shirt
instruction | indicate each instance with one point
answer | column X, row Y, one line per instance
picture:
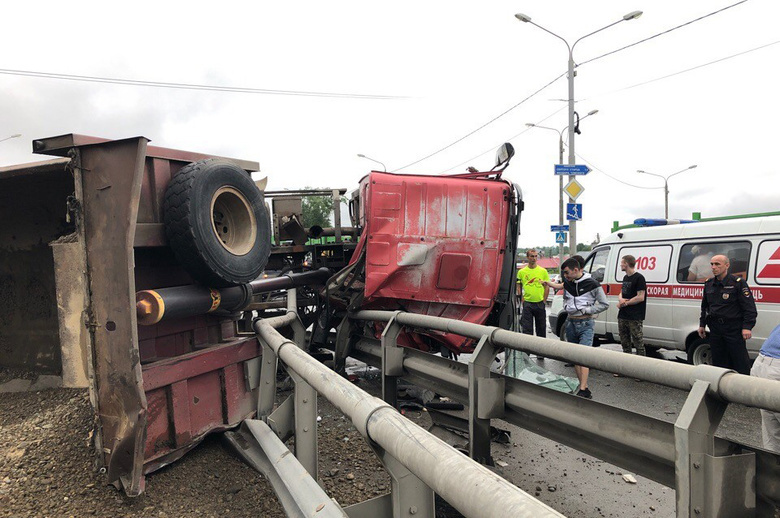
column 699, row 270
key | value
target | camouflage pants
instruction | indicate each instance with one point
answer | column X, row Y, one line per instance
column 631, row 336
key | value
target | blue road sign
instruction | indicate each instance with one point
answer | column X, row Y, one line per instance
column 560, row 237
column 559, row 228
column 578, row 169
column 574, row 211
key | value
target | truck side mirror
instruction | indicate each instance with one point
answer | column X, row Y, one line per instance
column 504, row 155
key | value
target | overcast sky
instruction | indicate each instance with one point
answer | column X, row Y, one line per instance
column 448, row 67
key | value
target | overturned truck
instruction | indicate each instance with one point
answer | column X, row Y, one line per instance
column 136, row 271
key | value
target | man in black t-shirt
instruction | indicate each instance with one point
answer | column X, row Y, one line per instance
column 632, row 306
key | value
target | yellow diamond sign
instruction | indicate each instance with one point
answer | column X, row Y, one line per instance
column 573, row 189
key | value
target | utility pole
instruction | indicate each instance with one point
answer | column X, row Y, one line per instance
column 571, row 73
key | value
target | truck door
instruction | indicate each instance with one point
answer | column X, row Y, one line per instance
column 596, row 265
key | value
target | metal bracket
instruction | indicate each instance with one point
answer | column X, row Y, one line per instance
column 392, row 361
column 723, row 486
column 299, row 332
column 305, row 415
column 268, row 367
column 712, row 375
column 706, row 484
column 490, row 398
column 282, row 420
column 409, row 496
column 486, row 400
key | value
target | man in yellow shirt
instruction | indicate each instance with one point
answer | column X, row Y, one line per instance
column 532, row 280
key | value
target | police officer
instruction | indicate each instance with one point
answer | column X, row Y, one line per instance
column 727, row 306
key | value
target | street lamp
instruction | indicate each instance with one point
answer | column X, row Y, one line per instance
column 633, row 15
column 560, row 177
column 12, row 136
column 666, row 185
column 377, row 161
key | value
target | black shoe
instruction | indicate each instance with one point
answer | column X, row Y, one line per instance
column 585, row 393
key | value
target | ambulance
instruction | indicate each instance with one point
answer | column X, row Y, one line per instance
column 674, row 259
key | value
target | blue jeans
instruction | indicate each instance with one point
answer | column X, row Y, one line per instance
column 580, row 331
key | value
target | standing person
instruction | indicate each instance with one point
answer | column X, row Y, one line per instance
column 583, row 299
column 532, row 279
column 633, row 307
column 767, row 365
column 699, row 270
column 727, row 306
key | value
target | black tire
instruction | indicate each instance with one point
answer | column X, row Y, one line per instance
column 216, row 223
column 699, row 352
column 562, row 328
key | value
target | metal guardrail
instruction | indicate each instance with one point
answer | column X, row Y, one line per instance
column 418, row 462
column 726, row 384
column 711, row 476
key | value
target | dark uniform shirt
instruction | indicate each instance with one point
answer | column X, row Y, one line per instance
column 728, row 301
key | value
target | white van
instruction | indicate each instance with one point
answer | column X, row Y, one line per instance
column 671, row 258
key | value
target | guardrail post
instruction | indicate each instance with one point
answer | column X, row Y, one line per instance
column 269, row 363
column 392, row 361
column 708, row 484
column 486, row 400
column 305, row 414
column 409, row 496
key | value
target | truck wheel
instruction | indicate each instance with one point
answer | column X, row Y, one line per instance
column 699, row 352
column 216, row 223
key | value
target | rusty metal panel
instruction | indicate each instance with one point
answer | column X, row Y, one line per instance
column 61, row 146
column 111, row 175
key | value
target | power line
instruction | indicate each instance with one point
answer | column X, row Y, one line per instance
column 464, row 137
column 662, row 33
column 686, row 70
column 551, row 82
column 596, row 168
column 507, row 140
column 189, row 86
column 635, row 86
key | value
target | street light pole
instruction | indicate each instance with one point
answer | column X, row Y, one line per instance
column 560, row 178
column 572, row 160
column 666, row 185
column 360, row 155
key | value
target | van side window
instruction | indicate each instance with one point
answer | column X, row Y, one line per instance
column 596, row 264
column 694, row 263
column 768, row 262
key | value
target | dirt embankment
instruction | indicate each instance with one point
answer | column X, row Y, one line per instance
column 47, row 468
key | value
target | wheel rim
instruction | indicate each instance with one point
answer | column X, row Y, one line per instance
column 233, row 221
column 702, row 355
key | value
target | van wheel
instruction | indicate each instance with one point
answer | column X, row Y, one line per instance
column 562, row 329
column 699, row 352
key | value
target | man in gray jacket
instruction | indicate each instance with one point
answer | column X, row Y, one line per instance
column 583, row 299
